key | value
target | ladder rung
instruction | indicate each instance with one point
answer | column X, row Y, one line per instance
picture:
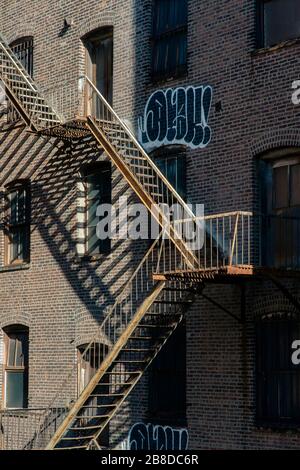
column 83, row 428
column 82, row 438
column 89, row 417
column 110, row 395
column 138, row 158
column 143, row 175
column 171, row 302
column 121, row 373
column 70, row 448
column 136, row 350
column 141, row 338
column 129, row 361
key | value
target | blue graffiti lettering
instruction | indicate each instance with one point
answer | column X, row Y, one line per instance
column 177, row 116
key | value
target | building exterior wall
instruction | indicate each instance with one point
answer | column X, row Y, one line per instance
column 62, row 298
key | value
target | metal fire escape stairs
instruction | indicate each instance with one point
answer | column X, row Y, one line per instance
column 134, row 331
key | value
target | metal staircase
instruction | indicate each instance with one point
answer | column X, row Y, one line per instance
column 147, row 312
column 138, row 325
column 23, row 92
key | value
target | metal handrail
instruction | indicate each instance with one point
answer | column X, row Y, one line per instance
column 140, row 148
column 101, row 328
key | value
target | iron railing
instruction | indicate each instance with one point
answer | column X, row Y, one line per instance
column 241, row 239
column 18, row 427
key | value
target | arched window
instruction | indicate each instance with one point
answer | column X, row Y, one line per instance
column 23, row 50
column 99, row 63
column 16, row 366
column 277, row 378
column 280, row 206
column 17, row 222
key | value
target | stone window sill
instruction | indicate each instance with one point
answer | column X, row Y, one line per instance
column 14, row 267
column 277, row 47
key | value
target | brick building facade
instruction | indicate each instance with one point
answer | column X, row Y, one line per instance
column 61, row 296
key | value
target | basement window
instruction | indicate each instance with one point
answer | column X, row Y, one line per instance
column 16, row 367
column 169, row 38
column 279, row 21
column 17, row 224
column 277, row 378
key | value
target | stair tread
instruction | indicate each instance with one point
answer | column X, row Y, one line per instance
column 129, row 361
column 70, row 448
column 84, row 428
column 76, row 438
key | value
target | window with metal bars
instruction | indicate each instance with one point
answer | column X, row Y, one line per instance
column 169, row 38
column 23, row 50
column 278, row 21
column 17, row 223
column 172, row 163
column 98, row 190
column 277, row 378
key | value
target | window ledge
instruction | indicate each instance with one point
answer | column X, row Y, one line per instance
column 15, row 267
column 163, row 79
column 278, row 428
column 271, row 49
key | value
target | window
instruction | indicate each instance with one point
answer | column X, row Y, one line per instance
column 278, row 380
column 167, row 382
column 279, row 21
column 173, row 166
column 281, row 208
column 17, row 227
column 169, row 55
column 23, row 49
column 286, row 186
column 99, row 46
column 16, row 367
column 97, row 184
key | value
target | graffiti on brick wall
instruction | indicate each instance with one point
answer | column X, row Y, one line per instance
column 155, row 437
column 176, row 116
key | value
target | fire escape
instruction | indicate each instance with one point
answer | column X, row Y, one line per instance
column 165, row 282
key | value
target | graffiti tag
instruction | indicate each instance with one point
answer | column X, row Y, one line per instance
column 155, row 437
column 177, row 116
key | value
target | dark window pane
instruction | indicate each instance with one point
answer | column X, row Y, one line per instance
column 281, row 21
column 18, row 230
column 98, row 186
column 21, row 349
column 17, row 244
column 17, row 206
column 11, row 351
column 167, row 384
column 278, row 380
column 281, row 187
column 15, row 390
column 295, row 185
column 174, row 169
column 169, row 15
column 169, row 36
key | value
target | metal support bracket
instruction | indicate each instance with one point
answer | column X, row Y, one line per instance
column 292, row 299
column 240, row 319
